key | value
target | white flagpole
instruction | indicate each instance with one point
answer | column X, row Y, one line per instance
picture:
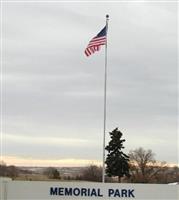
column 105, row 89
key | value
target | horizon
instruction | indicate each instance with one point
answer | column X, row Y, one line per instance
column 63, row 163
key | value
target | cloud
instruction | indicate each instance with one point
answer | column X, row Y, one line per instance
column 53, row 94
column 48, row 147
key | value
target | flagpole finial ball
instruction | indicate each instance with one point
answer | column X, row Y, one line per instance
column 107, row 16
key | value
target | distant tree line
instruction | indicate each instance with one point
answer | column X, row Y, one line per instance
column 8, row 171
column 139, row 173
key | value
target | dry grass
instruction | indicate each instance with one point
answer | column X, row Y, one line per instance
column 34, row 177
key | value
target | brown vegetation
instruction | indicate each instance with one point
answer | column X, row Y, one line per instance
column 143, row 169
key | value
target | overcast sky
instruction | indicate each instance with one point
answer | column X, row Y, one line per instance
column 52, row 95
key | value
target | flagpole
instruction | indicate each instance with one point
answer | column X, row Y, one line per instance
column 105, row 89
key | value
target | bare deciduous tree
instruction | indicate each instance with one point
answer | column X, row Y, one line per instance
column 141, row 159
column 92, row 173
column 52, row 173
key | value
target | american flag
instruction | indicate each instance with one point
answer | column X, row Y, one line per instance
column 96, row 42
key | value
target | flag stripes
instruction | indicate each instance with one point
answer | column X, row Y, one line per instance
column 96, row 43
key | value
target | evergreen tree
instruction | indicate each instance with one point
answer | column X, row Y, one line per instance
column 116, row 161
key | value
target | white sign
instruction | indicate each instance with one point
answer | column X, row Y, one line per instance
column 12, row 190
